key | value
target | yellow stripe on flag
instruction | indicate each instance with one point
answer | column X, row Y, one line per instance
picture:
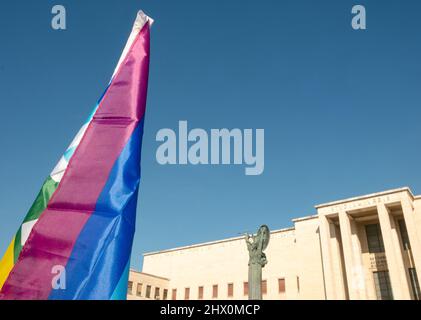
column 6, row 263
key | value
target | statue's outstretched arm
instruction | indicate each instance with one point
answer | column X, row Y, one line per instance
column 249, row 245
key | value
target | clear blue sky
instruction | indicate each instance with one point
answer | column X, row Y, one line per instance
column 340, row 108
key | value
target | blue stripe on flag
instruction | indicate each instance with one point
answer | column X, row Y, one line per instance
column 120, row 292
column 100, row 254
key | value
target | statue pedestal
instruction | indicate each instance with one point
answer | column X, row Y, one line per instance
column 255, row 282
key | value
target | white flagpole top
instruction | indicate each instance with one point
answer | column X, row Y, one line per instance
column 141, row 20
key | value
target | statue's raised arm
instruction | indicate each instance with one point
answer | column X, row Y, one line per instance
column 248, row 242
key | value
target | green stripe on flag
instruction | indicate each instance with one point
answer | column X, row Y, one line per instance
column 42, row 199
column 18, row 246
column 39, row 205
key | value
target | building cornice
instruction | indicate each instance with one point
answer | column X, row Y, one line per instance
column 371, row 195
column 148, row 274
column 314, row 216
column 211, row 243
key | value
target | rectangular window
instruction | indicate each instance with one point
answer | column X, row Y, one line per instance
column 382, row 284
column 415, row 284
column 230, row 289
column 148, row 291
column 298, row 284
column 215, row 291
column 404, row 235
column 264, row 286
column 139, row 290
column 200, row 293
column 130, row 287
column 374, row 238
column 157, row 294
column 246, row 288
column 165, row 296
column 281, row 285
column 186, row 293
column 174, row 294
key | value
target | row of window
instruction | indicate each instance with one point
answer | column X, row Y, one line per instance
column 381, row 282
column 215, row 289
column 230, row 290
column 139, row 291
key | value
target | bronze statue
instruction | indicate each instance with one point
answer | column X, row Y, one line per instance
column 256, row 244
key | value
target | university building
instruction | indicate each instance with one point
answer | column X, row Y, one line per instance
column 367, row 247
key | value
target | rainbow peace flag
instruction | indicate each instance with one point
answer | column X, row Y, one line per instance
column 82, row 222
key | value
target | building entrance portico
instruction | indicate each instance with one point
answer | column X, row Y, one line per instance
column 366, row 247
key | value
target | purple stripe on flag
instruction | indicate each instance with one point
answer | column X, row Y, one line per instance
column 53, row 237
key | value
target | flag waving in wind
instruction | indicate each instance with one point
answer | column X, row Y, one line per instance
column 76, row 239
